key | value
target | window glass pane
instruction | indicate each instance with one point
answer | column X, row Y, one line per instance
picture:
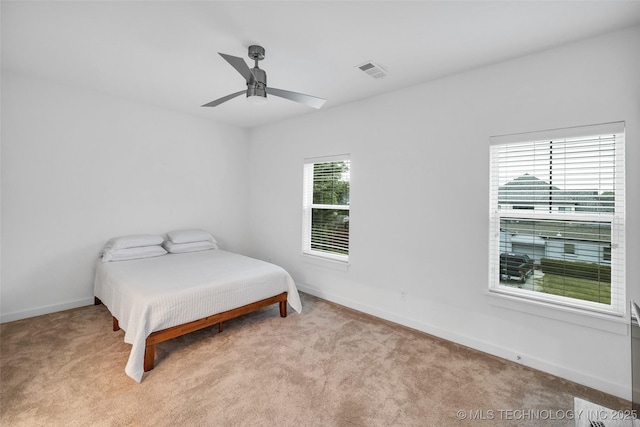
column 330, row 230
column 566, row 258
column 331, row 183
column 566, row 176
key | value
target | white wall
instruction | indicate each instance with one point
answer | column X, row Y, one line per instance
column 80, row 167
column 419, row 201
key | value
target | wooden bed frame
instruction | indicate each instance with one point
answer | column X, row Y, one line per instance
column 176, row 331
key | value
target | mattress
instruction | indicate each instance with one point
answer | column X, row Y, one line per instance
column 152, row 294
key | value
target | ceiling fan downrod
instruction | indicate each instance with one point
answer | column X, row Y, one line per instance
column 257, row 84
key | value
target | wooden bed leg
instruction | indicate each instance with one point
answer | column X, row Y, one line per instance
column 149, row 356
column 283, row 308
column 116, row 325
column 220, row 327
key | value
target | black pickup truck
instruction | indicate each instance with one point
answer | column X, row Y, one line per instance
column 515, row 267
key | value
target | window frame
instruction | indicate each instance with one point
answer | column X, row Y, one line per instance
column 616, row 219
column 569, row 248
column 308, row 206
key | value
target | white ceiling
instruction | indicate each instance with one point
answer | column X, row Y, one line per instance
column 165, row 52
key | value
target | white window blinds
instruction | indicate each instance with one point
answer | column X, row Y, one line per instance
column 558, row 197
column 326, row 194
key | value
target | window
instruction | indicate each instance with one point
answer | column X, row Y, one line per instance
column 558, row 197
column 325, row 222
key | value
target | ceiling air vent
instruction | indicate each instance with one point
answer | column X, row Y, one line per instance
column 374, row 70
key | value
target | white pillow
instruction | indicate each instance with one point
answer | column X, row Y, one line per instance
column 190, row 235
column 133, row 253
column 180, row 248
column 133, row 241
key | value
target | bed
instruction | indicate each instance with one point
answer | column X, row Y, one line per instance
column 162, row 297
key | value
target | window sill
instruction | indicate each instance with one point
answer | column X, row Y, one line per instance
column 321, row 261
column 603, row 322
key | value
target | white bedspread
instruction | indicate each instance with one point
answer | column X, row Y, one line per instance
column 148, row 295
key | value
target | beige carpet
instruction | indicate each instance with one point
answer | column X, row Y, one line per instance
column 329, row 366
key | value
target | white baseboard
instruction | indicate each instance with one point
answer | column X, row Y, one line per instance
column 17, row 315
column 486, row 347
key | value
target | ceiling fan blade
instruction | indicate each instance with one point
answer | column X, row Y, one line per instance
column 224, row 99
column 309, row 100
column 239, row 65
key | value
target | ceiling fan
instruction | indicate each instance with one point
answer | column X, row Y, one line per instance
column 256, row 78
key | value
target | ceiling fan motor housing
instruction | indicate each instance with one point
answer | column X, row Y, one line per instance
column 257, row 85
